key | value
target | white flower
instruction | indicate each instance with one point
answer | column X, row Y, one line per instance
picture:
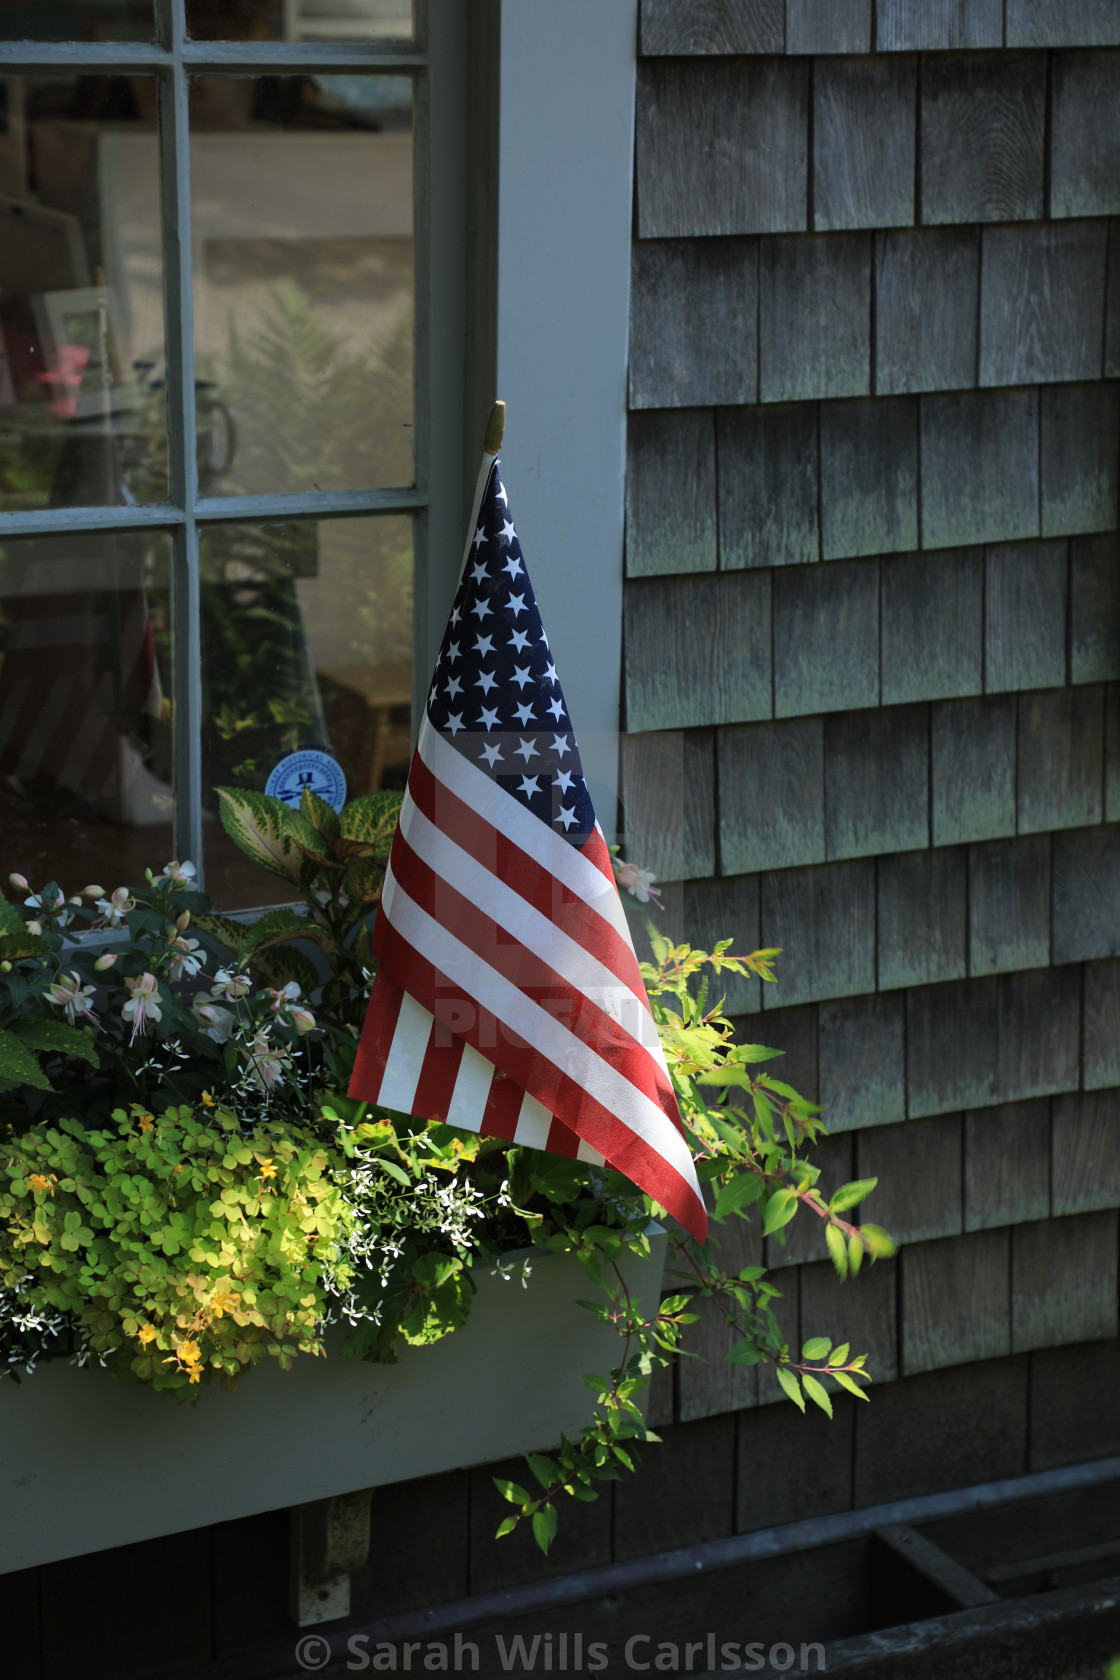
column 115, row 908
column 71, row 996
column 284, row 1003
column 54, row 903
column 229, row 986
column 183, row 959
column 182, row 874
column 266, row 1063
column 638, row 882
column 143, row 1004
column 214, row 1021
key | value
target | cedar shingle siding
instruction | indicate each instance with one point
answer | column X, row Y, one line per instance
column 872, row 676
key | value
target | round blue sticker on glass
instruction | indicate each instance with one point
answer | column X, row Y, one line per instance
column 308, row 769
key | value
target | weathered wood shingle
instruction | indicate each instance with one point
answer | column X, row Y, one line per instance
column 1086, row 894
column 1042, row 302
column 861, row 1044
column 815, row 317
column 1100, row 1041
column 826, row 637
column 823, row 919
column 767, row 485
column 1039, row 1033
column 1080, row 458
column 921, row 918
column 869, row 477
column 926, row 309
column 712, row 26
column 1086, row 1141
column 1085, row 136
column 843, row 26
column 1112, row 305
column 697, row 650
column 668, row 797
column 918, row 1165
column 1062, row 23
column 979, row 456
column 863, row 142
column 694, row 323
column 721, row 146
column 952, row 1047
column 866, row 1318
column 1024, row 630
column 973, row 770
column 1009, row 905
column 956, row 1301
column 935, row 25
column 771, row 807
column 1064, row 1281
column 1006, row 1164
column 727, row 909
column 876, row 781
column 983, row 122
column 670, row 493
column 1061, row 759
column 932, row 626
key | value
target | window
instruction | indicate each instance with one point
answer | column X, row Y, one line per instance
column 230, row 232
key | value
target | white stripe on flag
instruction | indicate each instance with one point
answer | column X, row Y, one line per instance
column 406, row 1056
column 533, row 1124
column 591, row 1156
column 472, row 1087
column 549, row 1037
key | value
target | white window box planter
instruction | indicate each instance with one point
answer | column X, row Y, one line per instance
column 88, row 1463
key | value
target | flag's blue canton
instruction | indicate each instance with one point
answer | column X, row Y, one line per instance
column 495, row 694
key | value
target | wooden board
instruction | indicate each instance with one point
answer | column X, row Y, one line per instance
column 826, row 637
column 708, row 1385
column 694, row 323
column 973, row 770
column 1100, row 1040
column 694, row 1460
column 869, row 476
column 843, row 26
column 1094, row 609
column 1112, row 752
column 721, row 146
column 931, row 639
column 767, row 486
column 1074, row 1417
column 697, row 650
column 390, row 1581
column 815, row 317
column 1025, row 616
column 921, row 918
column 726, row 909
column 952, row 1057
column 1061, row 758
column 711, row 26
column 876, row 781
column 771, row 795
column 1112, row 306
column 1086, row 894
column 926, row 309
column 1006, row 1164
column 1008, row 905
column 862, row 1311
column 791, row 1467
column 1042, row 302
column 864, row 136
column 862, row 1062
column 1080, row 458
column 1039, row 1033
column 1062, row 23
column 1085, row 139
column 668, row 796
column 979, row 455
column 955, row 1301
column 794, row 1033
column 918, row 1165
column 823, row 919
column 1086, row 1133
column 1064, row 1281
column 934, row 25
column 670, row 493
column 982, row 128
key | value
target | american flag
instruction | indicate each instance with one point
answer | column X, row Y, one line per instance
column 507, row 998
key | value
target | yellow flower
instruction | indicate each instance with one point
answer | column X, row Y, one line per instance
column 147, row 1333
column 188, row 1353
column 37, row 1183
column 224, row 1301
column 179, row 1168
column 268, row 1170
column 207, row 1100
column 145, row 1122
column 194, row 1374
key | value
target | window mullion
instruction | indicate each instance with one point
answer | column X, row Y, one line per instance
column 174, row 129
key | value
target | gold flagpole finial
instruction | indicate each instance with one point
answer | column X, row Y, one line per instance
column 495, row 429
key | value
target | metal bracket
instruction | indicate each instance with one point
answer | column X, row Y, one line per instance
column 329, row 1539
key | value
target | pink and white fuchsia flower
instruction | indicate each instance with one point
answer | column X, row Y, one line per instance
column 284, row 1003
column 638, row 882
column 267, row 1063
column 214, row 1021
column 68, row 994
column 143, row 1004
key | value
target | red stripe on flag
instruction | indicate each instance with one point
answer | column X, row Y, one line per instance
column 384, row 1007
column 503, row 1106
column 438, row 1073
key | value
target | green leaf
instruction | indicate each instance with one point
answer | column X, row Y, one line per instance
column 838, row 1248
column 276, row 927
column 10, row 919
column 879, row 1244
column 851, row 1195
column 855, row 1253
column 17, row 1062
column 745, row 1352
column 780, row 1209
column 788, row 1380
column 371, row 819
column 543, row 1468
column 227, row 930
column 282, row 963
column 14, row 947
column 506, row 1526
column 513, row 1491
column 544, row 1527
column 839, row 1355
column 309, row 839
column 849, row 1383
column 816, row 1348
column 259, row 825
column 322, row 817
column 56, row 1036
column 738, row 1192
column 817, row 1392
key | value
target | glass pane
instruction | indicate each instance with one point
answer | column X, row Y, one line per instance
column 303, row 264
column 76, row 20
column 303, row 284
column 85, row 709
column 83, row 411
column 300, row 20
column 306, row 641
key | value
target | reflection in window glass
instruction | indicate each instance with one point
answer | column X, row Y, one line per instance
column 303, row 281
column 300, row 20
column 85, row 708
column 82, row 390
column 306, row 641
column 76, row 20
